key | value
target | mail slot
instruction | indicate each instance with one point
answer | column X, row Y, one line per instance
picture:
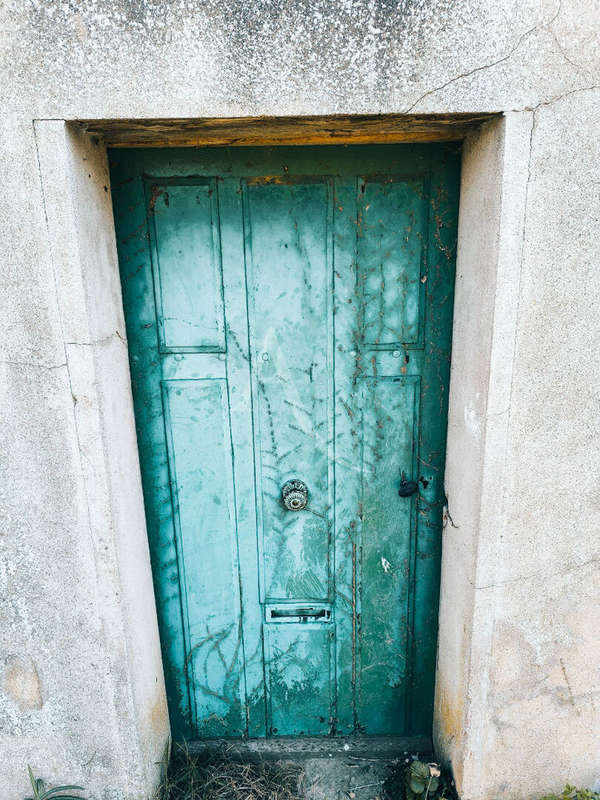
column 285, row 613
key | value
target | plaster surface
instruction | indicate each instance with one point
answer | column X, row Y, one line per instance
column 81, row 694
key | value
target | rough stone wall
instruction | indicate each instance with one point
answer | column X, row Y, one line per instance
column 528, row 714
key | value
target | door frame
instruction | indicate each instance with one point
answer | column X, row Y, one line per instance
column 74, row 183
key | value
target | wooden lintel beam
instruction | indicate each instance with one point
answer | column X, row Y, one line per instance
column 244, row 131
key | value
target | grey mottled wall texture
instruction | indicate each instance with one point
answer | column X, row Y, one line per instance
column 66, row 700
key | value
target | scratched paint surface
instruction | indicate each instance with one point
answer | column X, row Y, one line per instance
column 289, row 315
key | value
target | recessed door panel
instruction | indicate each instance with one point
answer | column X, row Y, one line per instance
column 390, row 413
column 289, row 315
column 188, row 278
column 391, row 227
column 299, row 678
column 199, row 448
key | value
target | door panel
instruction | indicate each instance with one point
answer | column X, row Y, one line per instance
column 189, row 301
column 299, row 666
column 389, row 422
column 392, row 216
column 202, row 498
column 289, row 315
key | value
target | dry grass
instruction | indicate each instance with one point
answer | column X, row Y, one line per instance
column 216, row 776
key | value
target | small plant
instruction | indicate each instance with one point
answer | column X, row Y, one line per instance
column 57, row 793
column 419, row 781
column 571, row 793
column 426, row 782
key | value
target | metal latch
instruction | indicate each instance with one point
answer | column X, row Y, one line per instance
column 407, row 487
column 288, row 613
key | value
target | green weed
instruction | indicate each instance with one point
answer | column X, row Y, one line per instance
column 40, row 792
column 571, row 793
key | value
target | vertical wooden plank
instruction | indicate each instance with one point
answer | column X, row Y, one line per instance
column 392, row 219
column 439, row 272
column 347, row 458
column 188, row 295
column 288, row 251
column 239, row 380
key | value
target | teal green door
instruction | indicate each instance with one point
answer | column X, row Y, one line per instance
column 289, row 316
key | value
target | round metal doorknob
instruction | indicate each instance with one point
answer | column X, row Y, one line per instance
column 294, row 494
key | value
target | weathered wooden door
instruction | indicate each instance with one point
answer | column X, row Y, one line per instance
column 289, row 318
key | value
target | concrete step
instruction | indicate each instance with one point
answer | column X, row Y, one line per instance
column 348, row 768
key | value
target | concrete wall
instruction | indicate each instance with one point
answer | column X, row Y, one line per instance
column 518, row 592
column 82, row 689
column 81, row 694
column 520, row 600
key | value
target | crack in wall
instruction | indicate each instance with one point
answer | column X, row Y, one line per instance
column 545, row 27
column 536, row 576
column 473, row 71
column 558, row 97
column 35, row 365
column 99, row 342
